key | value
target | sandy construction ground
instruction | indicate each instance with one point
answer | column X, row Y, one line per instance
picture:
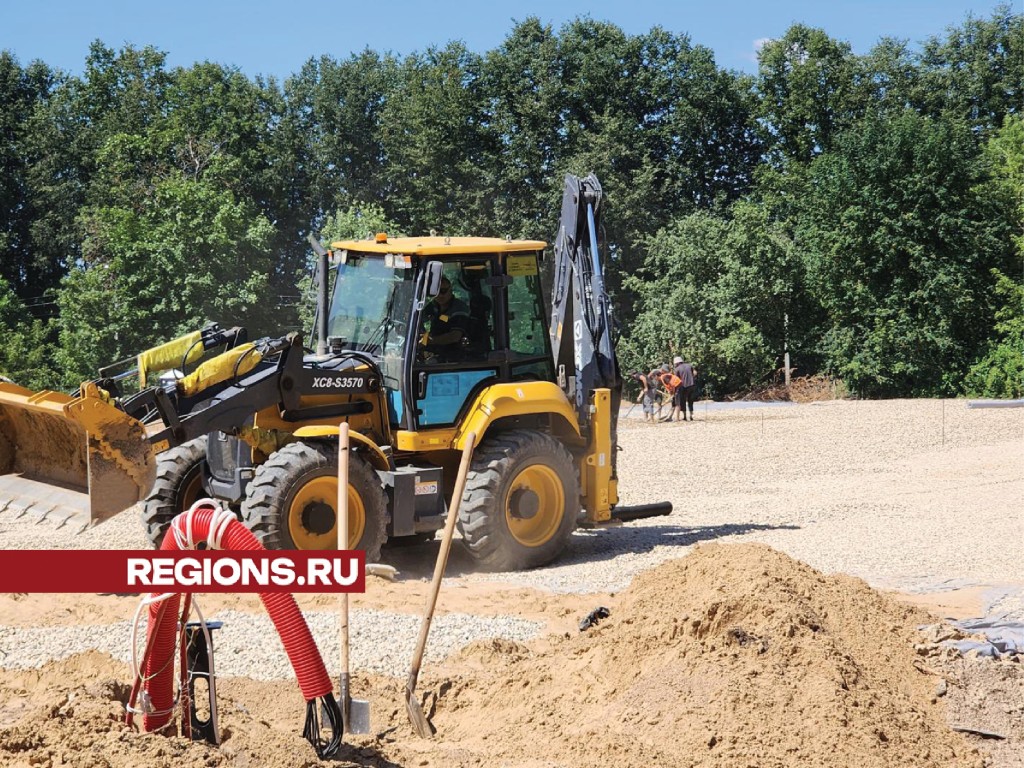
column 719, row 650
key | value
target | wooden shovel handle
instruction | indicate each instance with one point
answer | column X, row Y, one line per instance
column 442, row 559
column 342, row 526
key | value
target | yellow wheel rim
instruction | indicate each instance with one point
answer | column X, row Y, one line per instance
column 312, row 517
column 535, row 505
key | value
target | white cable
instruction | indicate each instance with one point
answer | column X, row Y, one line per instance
column 182, row 528
column 203, row 503
column 144, row 697
column 219, row 523
column 184, row 538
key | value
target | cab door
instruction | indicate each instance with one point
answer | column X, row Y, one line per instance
column 446, row 376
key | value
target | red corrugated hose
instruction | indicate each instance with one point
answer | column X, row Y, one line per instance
column 153, row 693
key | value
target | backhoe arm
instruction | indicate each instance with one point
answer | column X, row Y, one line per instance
column 582, row 343
column 581, row 324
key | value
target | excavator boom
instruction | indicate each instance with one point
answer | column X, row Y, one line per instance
column 581, row 324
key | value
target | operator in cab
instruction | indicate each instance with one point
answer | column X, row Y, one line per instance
column 446, row 323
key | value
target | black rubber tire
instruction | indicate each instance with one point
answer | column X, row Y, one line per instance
column 277, row 481
column 179, row 475
column 483, row 520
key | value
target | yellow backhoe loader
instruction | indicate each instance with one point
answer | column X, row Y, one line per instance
column 422, row 341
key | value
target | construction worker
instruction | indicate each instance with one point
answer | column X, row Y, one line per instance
column 446, row 317
column 669, row 383
column 686, row 389
column 648, row 394
column 657, row 391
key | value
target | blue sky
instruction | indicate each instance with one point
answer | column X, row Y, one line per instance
column 275, row 38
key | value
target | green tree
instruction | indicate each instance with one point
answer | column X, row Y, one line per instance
column 169, row 206
column 718, row 289
column 1000, row 373
column 663, row 127
column 975, row 71
column 358, row 222
column 522, row 83
column 26, row 356
column 22, row 92
column 890, row 79
column 119, row 93
column 219, row 128
column 899, row 244
column 808, row 94
column 433, row 138
column 186, row 254
column 330, row 134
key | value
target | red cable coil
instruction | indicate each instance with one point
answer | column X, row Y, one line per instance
column 158, row 664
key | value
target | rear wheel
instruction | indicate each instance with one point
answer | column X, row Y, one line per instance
column 521, row 501
column 179, row 484
column 292, row 499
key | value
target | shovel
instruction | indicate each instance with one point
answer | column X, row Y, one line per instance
column 412, row 706
column 355, row 712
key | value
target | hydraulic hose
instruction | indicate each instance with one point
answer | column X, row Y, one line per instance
column 206, row 522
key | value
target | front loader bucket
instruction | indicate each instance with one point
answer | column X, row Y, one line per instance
column 71, row 459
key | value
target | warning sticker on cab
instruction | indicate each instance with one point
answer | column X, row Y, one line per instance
column 427, row 488
column 521, row 266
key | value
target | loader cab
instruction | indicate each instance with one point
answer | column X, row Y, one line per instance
column 445, row 317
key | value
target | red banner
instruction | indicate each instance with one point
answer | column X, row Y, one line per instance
column 136, row 571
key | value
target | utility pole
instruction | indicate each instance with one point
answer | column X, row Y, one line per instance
column 785, row 346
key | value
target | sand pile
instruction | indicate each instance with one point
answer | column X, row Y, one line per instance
column 71, row 713
column 735, row 655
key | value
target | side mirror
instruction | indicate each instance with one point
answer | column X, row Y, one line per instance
column 435, row 271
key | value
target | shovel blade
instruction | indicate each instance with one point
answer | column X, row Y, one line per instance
column 419, row 721
column 358, row 716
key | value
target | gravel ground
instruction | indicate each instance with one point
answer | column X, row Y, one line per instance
column 380, row 641
column 914, row 495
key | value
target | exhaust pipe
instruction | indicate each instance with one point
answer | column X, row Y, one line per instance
column 642, row 511
column 322, row 298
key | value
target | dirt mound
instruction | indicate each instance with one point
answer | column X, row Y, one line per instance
column 801, row 389
column 735, row 655
column 71, row 713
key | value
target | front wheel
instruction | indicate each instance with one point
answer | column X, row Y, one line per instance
column 178, row 485
column 521, row 501
column 291, row 502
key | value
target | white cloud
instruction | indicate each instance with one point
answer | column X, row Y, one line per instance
column 758, row 45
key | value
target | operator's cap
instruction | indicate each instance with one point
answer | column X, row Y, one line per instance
column 677, row 360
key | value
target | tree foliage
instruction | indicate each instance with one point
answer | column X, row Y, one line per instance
column 862, row 212
column 899, row 250
column 187, row 254
column 1000, row 372
column 723, row 290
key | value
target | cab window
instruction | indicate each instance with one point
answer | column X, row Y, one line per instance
column 526, row 313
